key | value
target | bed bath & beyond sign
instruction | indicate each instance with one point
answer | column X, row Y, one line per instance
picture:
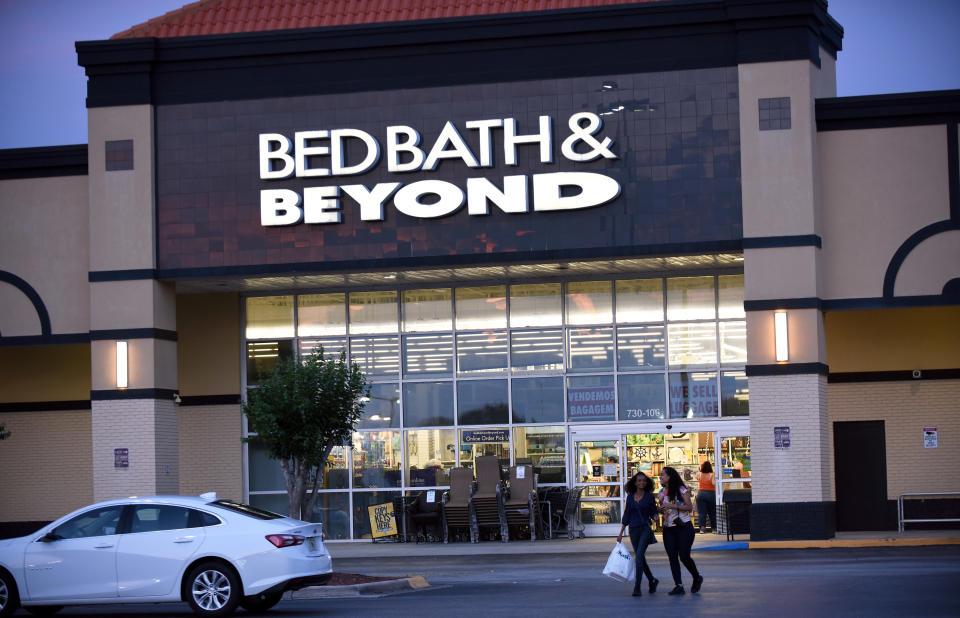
column 282, row 158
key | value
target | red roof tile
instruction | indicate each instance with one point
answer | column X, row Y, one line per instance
column 229, row 16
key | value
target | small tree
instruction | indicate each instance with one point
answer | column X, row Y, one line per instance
column 300, row 412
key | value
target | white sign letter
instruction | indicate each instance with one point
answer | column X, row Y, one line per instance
column 302, row 151
column 486, row 142
column 371, row 202
column 279, row 207
column 281, row 153
column 320, row 205
column 595, row 189
column 395, row 147
column 459, row 149
column 336, row 152
column 408, row 201
column 481, row 191
column 511, row 139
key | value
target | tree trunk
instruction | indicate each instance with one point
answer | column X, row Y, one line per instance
column 321, row 474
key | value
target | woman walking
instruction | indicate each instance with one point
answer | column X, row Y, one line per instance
column 640, row 509
column 677, row 509
column 706, row 497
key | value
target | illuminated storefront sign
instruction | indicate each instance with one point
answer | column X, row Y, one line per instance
column 281, row 158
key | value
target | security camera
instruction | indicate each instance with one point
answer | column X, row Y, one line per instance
column 916, row 374
column 176, row 398
column 669, row 426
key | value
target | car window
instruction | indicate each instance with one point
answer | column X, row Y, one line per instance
column 97, row 522
column 246, row 509
column 155, row 517
column 199, row 519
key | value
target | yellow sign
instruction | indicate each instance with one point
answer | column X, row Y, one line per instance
column 382, row 521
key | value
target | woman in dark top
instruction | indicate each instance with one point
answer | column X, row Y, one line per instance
column 640, row 509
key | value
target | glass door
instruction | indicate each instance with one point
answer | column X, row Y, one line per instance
column 598, row 470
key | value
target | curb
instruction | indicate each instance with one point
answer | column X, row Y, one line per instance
column 830, row 543
column 390, row 586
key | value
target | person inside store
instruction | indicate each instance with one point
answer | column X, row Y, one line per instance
column 677, row 509
column 706, row 497
column 640, row 509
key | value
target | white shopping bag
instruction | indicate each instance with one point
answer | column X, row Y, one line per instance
column 620, row 565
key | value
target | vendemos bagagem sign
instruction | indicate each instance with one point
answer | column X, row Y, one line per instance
column 322, row 153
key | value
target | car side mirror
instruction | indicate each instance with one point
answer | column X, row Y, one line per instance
column 49, row 537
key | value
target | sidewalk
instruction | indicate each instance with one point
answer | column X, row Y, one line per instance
column 602, row 545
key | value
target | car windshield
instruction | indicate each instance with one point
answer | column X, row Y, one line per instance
column 246, row 509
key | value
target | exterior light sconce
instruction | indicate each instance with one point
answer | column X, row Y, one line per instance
column 121, row 364
column 780, row 336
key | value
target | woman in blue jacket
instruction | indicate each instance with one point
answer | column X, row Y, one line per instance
column 640, row 509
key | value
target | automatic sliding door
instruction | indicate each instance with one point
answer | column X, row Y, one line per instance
column 598, row 471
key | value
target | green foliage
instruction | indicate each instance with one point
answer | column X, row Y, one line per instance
column 301, row 411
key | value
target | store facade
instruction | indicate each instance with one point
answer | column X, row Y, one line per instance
column 564, row 238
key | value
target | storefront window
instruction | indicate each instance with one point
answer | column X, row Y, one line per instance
column 376, row 459
column 545, row 449
column 535, row 304
column 642, row 396
column 590, row 349
column 336, row 476
column 537, row 400
column 692, row 344
column 265, row 472
column 427, row 310
column 431, row 454
column 262, row 358
column 373, row 312
column 332, row 510
column 362, row 500
column 382, row 408
column 690, row 298
column 481, row 307
column 275, row 503
column 735, row 459
column 321, row 314
column 536, row 350
column 331, row 347
column 639, row 300
column 428, row 355
column 269, row 317
column 730, row 293
column 427, row 404
column 590, row 398
column 733, row 343
column 735, row 393
column 482, row 353
column 589, row 302
column 482, row 402
column 480, row 442
column 376, row 356
column 693, row 394
column 641, row 347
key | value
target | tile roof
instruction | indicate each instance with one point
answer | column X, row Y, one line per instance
column 229, row 16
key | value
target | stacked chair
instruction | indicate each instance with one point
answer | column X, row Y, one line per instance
column 458, row 504
column 522, row 507
column 428, row 515
column 488, row 499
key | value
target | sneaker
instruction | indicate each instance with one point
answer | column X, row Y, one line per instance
column 697, row 582
column 677, row 590
column 653, row 585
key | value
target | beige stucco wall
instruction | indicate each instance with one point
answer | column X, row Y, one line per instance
column 43, row 240
column 893, row 339
column 208, row 346
column 879, row 186
column 906, row 408
column 211, row 454
column 46, row 464
column 44, row 373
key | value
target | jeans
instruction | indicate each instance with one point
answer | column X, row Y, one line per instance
column 641, row 537
column 677, row 541
column 707, row 505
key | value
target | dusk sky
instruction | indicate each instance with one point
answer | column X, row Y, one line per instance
column 888, row 46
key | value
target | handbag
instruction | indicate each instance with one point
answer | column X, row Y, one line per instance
column 620, row 565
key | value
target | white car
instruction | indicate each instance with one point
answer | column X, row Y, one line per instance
column 213, row 554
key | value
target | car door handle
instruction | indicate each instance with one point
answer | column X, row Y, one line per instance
column 103, row 546
column 183, row 540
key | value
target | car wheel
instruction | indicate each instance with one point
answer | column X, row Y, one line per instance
column 44, row 610
column 260, row 602
column 9, row 598
column 213, row 589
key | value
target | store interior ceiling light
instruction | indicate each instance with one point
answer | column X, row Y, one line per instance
column 641, row 267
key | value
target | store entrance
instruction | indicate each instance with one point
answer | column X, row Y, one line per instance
column 607, row 457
